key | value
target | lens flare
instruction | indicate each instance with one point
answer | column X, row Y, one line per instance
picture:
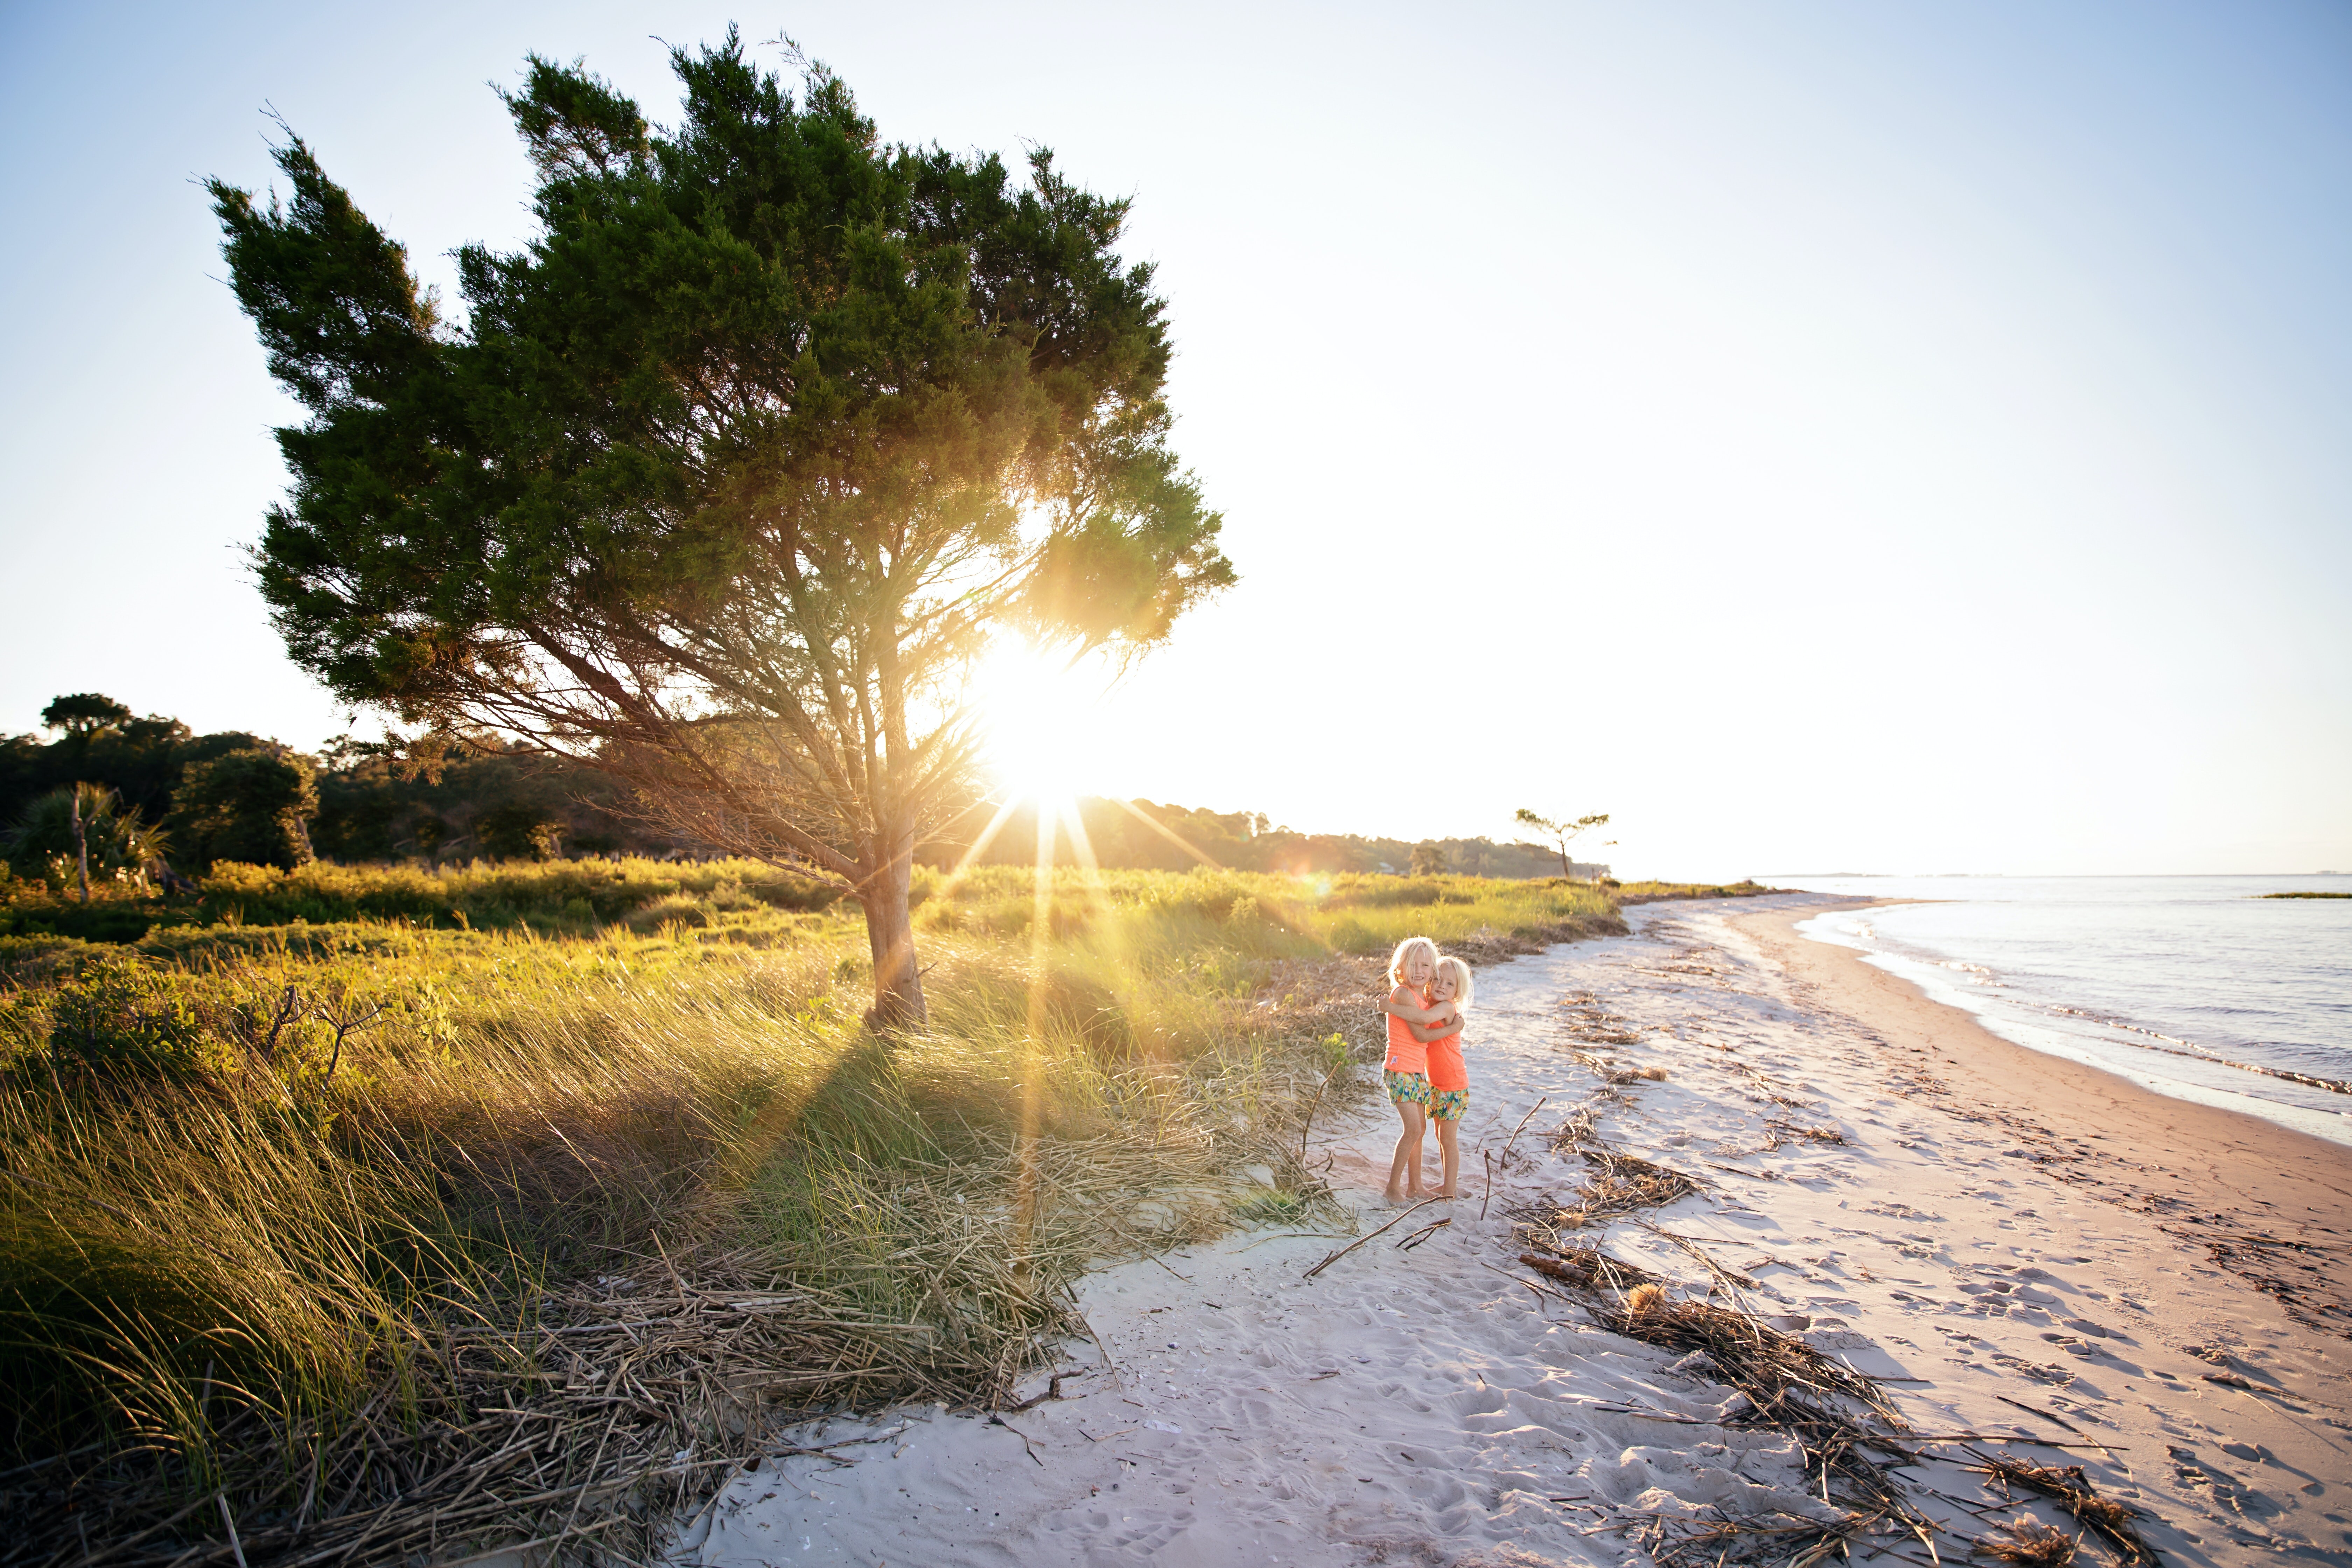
column 1036, row 710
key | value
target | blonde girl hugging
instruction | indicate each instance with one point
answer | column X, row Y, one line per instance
column 1414, row 1024
column 1449, row 1075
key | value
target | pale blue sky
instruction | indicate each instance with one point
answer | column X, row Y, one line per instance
column 1903, row 438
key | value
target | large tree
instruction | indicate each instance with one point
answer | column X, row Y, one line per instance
column 725, row 480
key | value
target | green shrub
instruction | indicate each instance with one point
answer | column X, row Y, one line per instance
column 519, row 831
column 250, row 805
column 123, row 1018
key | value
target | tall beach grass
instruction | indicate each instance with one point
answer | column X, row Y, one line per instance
column 298, row 1203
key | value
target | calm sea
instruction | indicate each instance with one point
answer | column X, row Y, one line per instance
column 2183, row 984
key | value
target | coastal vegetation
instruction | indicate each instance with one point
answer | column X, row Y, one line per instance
column 771, row 436
column 326, row 1165
column 482, row 1136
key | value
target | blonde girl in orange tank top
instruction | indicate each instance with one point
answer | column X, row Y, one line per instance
column 1406, row 1072
column 1449, row 1075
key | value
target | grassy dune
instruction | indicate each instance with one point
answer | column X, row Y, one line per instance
column 328, row 1164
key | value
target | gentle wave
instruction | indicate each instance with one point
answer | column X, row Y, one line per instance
column 2193, row 986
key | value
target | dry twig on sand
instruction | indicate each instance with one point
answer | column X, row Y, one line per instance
column 1362, row 1239
column 1588, row 1268
column 2067, row 1486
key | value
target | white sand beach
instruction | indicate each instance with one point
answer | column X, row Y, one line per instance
column 2017, row 1247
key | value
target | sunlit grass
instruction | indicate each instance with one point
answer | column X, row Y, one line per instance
column 597, row 1056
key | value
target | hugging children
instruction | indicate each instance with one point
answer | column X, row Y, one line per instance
column 1425, row 1075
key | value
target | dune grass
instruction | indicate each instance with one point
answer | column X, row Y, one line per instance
column 1654, row 892
column 275, row 1184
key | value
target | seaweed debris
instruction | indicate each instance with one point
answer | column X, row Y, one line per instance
column 1588, row 1268
column 2067, row 1486
column 2028, row 1543
column 1851, row 1437
column 1621, row 1185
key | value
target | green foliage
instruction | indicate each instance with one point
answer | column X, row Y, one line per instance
column 370, row 809
column 1653, row 892
column 250, row 806
column 560, row 898
column 519, row 1104
column 121, row 1016
column 519, row 831
column 750, row 429
column 1129, row 834
column 121, row 842
column 83, row 713
column 140, row 758
column 118, row 1019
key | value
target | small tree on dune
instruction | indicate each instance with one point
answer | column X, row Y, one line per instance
column 1561, row 833
column 732, row 472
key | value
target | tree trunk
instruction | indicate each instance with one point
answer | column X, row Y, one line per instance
column 889, row 929
column 81, row 845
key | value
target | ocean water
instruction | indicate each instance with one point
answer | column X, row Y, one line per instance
column 2187, row 985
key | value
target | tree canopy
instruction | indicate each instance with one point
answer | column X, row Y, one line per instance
column 252, row 805
column 84, row 713
column 727, row 477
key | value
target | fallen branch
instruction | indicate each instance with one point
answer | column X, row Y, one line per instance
column 1362, row 1239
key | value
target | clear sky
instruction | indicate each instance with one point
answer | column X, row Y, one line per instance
column 1826, row 437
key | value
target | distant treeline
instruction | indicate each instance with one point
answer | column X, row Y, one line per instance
column 192, row 799
column 155, row 791
column 1122, row 836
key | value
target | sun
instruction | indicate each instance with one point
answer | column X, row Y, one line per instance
column 1037, row 712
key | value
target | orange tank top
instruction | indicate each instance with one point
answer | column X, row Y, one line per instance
column 1446, row 1069
column 1405, row 1053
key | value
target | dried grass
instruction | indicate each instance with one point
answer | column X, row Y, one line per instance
column 1588, row 1268
column 2028, row 1543
column 1780, row 1132
column 2071, row 1489
column 1790, row 1539
column 1840, row 1418
column 1622, row 1185
column 583, row 1230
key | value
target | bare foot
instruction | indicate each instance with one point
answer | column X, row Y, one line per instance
column 1446, row 1192
column 1393, row 1196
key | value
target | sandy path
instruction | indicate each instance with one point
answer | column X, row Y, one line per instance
column 1418, row 1406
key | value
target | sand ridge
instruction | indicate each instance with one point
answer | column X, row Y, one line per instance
column 1424, row 1403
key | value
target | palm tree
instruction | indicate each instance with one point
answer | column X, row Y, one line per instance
column 89, row 824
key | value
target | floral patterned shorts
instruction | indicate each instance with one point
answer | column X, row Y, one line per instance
column 1449, row 1104
column 1406, row 1088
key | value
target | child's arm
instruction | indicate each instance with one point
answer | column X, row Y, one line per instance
column 1441, row 1030
column 1406, row 1004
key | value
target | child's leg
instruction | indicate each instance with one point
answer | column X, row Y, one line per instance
column 1449, row 1155
column 1405, row 1171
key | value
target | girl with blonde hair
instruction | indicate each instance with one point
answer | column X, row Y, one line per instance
column 1449, row 1075
column 1413, row 1024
